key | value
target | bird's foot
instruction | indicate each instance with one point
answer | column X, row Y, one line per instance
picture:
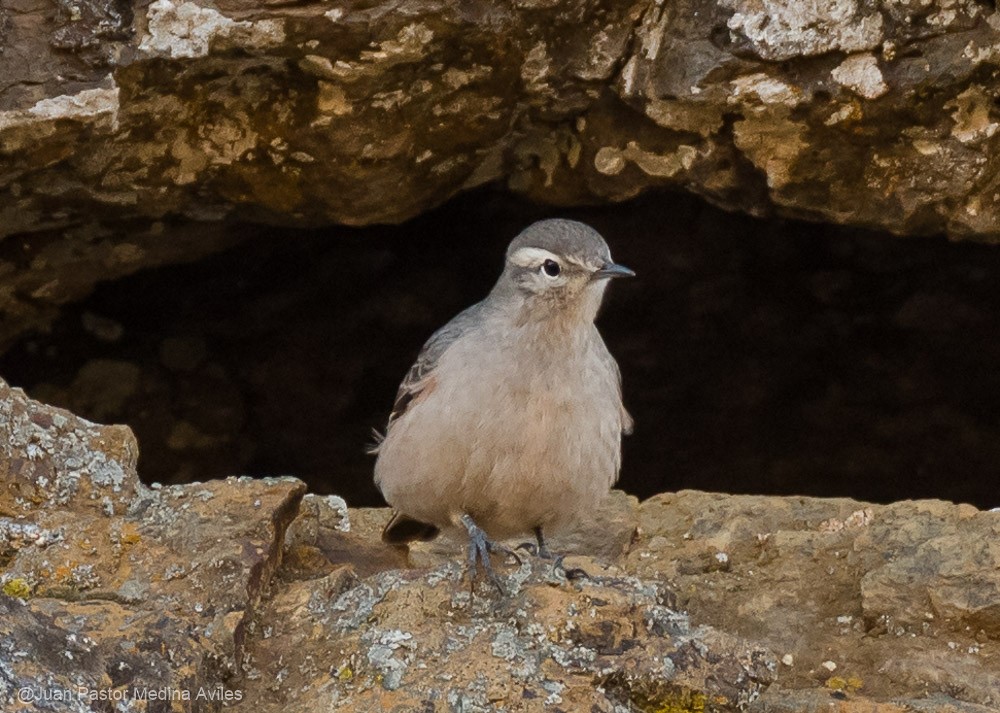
column 539, row 550
column 573, row 573
column 530, row 547
column 542, row 552
column 480, row 547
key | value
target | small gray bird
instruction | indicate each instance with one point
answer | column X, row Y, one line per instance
column 510, row 421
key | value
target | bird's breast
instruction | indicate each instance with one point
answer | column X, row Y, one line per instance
column 545, row 408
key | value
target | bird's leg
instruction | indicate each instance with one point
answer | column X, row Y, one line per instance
column 480, row 547
column 557, row 560
column 539, row 550
column 543, row 551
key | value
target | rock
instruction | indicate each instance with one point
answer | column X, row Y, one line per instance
column 323, row 539
column 243, row 593
column 190, row 421
column 115, row 122
column 51, row 459
column 112, row 586
column 103, row 386
column 891, row 595
column 947, row 577
column 424, row 642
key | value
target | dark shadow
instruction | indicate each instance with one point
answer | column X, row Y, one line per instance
column 759, row 356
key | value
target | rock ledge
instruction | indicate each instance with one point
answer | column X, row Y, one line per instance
column 249, row 594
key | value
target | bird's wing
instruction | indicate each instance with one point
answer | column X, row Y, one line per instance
column 402, row 529
column 420, row 377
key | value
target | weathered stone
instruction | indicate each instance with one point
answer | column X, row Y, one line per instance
column 419, row 642
column 50, row 459
column 323, row 538
column 948, row 575
column 135, row 588
column 243, row 591
column 892, row 595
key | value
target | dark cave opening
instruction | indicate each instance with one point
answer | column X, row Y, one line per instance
column 769, row 357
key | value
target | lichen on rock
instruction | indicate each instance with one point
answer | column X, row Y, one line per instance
column 783, row 29
column 246, row 588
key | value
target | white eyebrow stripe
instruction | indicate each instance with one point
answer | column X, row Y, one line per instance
column 531, row 257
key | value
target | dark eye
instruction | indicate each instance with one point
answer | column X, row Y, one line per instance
column 551, row 268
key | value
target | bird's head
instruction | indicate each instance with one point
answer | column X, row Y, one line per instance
column 559, row 267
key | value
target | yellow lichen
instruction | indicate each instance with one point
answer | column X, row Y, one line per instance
column 130, row 534
column 847, row 685
column 345, row 673
column 16, row 587
column 679, row 701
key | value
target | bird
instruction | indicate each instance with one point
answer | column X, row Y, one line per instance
column 511, row 419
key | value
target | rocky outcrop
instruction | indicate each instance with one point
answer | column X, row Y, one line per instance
column 107, row 583
column 855, row 111
column 118, row 118
column 245, row 593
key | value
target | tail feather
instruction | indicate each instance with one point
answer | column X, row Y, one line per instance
column 402, row 529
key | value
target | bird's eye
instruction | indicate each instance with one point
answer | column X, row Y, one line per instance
column 551, row 268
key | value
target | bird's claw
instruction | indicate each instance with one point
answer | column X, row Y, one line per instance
column 540, row 551
column 528, row 547
column 480, row 547
column 573, row 573
column 504, row 550
column 543, row 551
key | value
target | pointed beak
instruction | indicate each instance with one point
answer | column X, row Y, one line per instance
column 613, row 269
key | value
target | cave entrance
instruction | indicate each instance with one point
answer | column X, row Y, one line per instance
column 772, row 357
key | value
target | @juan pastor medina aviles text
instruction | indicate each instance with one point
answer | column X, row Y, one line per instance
column 32, row 694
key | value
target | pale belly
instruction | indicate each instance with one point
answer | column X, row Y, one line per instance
column 512, row 458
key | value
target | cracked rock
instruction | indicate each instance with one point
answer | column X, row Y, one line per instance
column 243, row 594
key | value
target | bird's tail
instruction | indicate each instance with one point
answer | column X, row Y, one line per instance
column 402, row 529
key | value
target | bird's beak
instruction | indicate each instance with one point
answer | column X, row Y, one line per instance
column 612, row 269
